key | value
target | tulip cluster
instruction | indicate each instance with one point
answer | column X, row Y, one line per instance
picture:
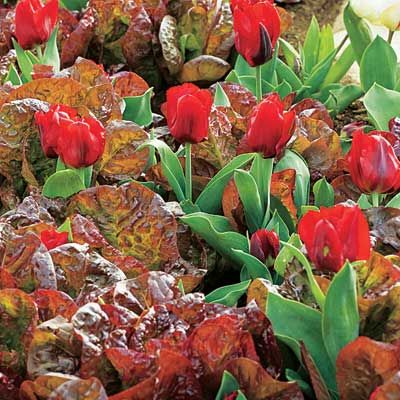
column 334, row 235
column 35, row 21
column 379, row 12
column 257, row 28
column 79, row 142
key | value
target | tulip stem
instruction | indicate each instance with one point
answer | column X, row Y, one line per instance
column 315, row 289
column 39, row 52
column 269, row 166
column 390, row 36
column 188, row 171
column 152, row 152
column 342, row 43
column 258, row 84
column 375, row 199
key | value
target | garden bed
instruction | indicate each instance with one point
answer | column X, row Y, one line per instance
column 196, row 202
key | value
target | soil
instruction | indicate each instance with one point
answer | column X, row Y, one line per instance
column 325, row 10
column 356, row 112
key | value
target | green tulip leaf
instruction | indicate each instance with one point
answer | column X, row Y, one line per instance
column 277, row 224
column 378, row 65
column 326, row 42
column 51, row 55
column 73, row 5
column 359, row 32
column 218, row 233
column 66, row 227
column 394, row 201
column 286, row 255
column 285, row 73
column 295, row 161
column 261, row 171
column 228, row 295
column 317, row 77
column 138, row 108
column 323, row 193
column 290, row 53
column 220, row 97
column 63, row 184
column 255, row 268
column 302, row 323
column 340, row 68
column 229, row 385
column 13, row 76
column 250, row 197
column 210, row 198
column 341, row 97
column 340, row 319
column 382, row 105
column 311, row 46
column 171, row 167
column 24, row 62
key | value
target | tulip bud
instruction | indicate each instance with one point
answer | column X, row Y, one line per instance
column 188, row 112
column 50, row 123
column 264, row 245
column 35, row 21
column 334, row 235
column 257, row 28
column 373, row 164
column 270, row 127
column 82, row 142
column 51, row 238
column 78, row 141
column 390, row 17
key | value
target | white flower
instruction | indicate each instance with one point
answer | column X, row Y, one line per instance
column 369, row 9
column 379, row 12
column 390, row 17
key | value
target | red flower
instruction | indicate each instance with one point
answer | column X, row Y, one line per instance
column 51, row 238
column 82, row 142
column 270, row 127
column 264, row 244
column 34, row 22
column 244, row 3
column 78, row 141
column 188, row 111
column 50, row 125
column 334, row 235
column 373, row 164
column 257, row 27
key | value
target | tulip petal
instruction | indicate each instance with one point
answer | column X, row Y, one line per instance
column 327, row 249
column 191, row 123
column 354, row 232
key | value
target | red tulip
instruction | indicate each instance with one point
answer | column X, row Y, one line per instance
column 373, row 165
column 188, row 111
column 82, row 142
column 270, row 127
column 50, row 126
column 34, row 21
column 51, row 238
column 334, row 235
column 244, row 3
column 264, row 245
column 257, row 27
